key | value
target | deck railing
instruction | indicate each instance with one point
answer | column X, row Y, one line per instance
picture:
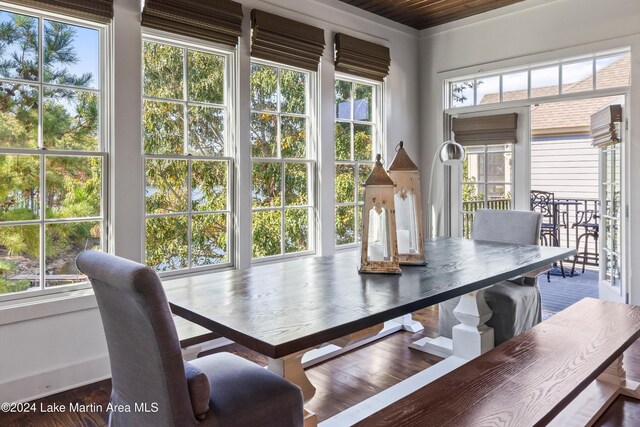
column 469, row 208
column 569, row 214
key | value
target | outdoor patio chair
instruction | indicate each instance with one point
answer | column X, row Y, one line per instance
column 543, row 202
column 515, row 303
column 147, row 367
column 587, row 221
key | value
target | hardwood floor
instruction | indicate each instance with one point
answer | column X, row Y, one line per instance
column 340, row 382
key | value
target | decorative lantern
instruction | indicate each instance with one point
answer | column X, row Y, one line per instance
column 408, row 203
column 379, row 245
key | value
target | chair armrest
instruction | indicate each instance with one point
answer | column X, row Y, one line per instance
column 199, row 390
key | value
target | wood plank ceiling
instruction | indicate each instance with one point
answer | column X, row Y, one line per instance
column 422, row 14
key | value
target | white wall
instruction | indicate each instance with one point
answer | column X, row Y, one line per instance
column 525, row 33
column 60, row 344
column 566, row 167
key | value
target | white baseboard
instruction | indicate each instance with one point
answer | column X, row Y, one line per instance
column 55, row 381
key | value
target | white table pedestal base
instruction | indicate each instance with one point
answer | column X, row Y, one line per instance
column 440, row 346
column 471, row 337
column 585, row 409
column 292, row 367
column 408, row 324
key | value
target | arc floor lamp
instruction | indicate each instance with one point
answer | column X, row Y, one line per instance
column 449, row 153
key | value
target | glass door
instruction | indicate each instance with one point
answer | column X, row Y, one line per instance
column 611, row 283
column 493, row 176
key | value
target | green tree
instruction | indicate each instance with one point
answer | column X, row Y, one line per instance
column 469, row 189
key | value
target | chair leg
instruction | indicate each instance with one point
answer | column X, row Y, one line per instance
column 543, row 239
column 586, row 249
column 556, row 243
column 575, row 257
column 545, row 242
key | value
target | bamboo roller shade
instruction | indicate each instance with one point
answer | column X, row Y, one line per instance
column 94, row 10
column 603, row 126
column 361, row 58
column 486, row 130
column 218, row 21
column 286, row 41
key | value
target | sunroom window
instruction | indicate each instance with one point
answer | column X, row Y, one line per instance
column 187, row 158
column 356, row 145
column 283, row 161
column 52, row 149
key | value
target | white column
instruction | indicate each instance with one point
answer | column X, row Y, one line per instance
column 243, row 147
column 326, row 235
column 126, row 167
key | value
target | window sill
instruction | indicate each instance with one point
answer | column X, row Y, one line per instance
column 37, row 307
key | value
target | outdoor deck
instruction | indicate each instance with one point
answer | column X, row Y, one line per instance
column 561, row 293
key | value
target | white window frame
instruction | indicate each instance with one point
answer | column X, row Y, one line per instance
column 311, row 160
column 378, row 147
column 593, row 92
column 486, row 182
column 103, row 91
column 230, row 119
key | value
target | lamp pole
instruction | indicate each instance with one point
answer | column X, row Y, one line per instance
column 450, row 153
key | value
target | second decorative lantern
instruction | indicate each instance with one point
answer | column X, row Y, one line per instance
column 408, row 204
column 379, row 243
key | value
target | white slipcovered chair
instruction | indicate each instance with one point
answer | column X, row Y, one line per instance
column 515, row 303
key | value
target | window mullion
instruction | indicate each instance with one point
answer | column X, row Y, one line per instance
column 189, row 212
column 485, row 180
column 282, row 207
column 355, row 199
column 43, row 190
column 43, row 246
column 185, row 104
column 40, row 80
column 185, row 131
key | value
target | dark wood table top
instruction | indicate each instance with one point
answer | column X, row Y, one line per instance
column 283, row 308
column 528, row 380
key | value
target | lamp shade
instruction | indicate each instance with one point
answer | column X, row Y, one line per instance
column 452, row 153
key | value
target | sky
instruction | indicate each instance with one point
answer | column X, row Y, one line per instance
column 85, row 43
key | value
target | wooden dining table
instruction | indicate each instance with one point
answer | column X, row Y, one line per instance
column 284, row 309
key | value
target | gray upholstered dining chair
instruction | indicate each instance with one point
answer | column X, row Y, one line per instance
column 515, row 303
column 147, row 366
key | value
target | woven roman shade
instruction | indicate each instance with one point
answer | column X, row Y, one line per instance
column 94, row 10
column 361, row 58
column 286, row 41
column 498, row 129
column 605, row 126
column 218, row 21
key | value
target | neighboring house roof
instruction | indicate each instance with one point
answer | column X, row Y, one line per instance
column 570, row 117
